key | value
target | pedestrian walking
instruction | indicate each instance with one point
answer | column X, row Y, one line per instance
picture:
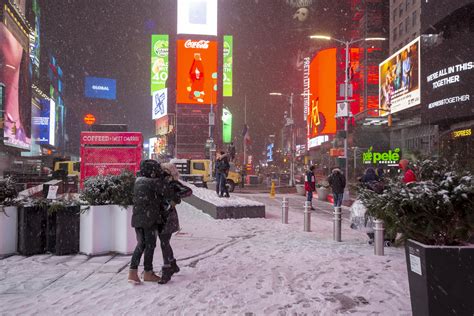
column 337, row 181
column 222, row 170
column 408, row 173
column 170, row 219
column 310, row 184
column 147, row 211
column 232, row 152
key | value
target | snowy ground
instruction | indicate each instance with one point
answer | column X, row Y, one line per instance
column 245, row 267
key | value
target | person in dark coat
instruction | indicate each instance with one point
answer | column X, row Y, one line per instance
column 310, row 184
column 149, row 192
column 222, row 169
column 171, row 222
column 369, row 176
column 337, row 181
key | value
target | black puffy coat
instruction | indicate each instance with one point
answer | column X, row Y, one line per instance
column 149, row 198
column 337, row 181
column 170, row 219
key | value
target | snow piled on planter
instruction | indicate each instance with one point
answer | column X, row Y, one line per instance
column 211, row 197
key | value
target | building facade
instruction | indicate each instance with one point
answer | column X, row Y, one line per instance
column 405, row 22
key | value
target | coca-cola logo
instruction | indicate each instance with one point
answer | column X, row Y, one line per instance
column 202, row 44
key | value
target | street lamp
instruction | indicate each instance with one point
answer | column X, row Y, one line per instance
column 292, row 143
column 347, row 45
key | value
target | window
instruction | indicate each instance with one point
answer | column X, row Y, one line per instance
column 400, row 30
column 76, row 166
column 63, row 166
column 198, row 166
column 394, row 15
column 394, row 33
column 407, row 23
column 400, row 10
column 407, row 3
column 414, row 18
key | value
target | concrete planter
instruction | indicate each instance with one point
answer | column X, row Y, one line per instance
column 441, row 279
column 96, row 230
column 8, row 231
column 322, row 193
column 124, row 238
column 300, row 189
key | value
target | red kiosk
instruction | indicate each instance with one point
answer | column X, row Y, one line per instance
column 108, row 153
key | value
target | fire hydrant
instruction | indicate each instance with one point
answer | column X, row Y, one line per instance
column 272, row 190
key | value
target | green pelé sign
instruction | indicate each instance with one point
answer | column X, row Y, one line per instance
column 391, row 157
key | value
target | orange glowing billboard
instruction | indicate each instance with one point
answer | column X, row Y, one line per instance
column 322, row 107
column 196, row 81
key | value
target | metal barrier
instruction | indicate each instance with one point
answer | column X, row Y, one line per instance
column 378, row 238
column 337, row 224
column 284, row 210
column 307, row 216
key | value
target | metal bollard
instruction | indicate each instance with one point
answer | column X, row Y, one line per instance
column 378, row 238
column 337, row 224
column 284, row 210
column 307, row 216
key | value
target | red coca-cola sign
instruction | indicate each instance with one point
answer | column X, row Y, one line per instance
column 202, row 44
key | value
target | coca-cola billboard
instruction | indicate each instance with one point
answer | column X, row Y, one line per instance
column 196, row 80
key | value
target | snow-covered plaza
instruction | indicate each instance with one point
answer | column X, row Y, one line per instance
column 244, row 267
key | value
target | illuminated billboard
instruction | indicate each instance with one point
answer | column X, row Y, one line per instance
column 196, row 80
column 322, row 108
column 448, row 72
column 227, row 64
column 197, row 17
column 159, row 62
column 14, row 60
column 160, row 103
column 399, row 79
column 42, row 121
column 100, row 88
column 157, row 147
column 226, row 126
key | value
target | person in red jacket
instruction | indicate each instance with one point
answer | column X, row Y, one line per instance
column 310, row 185
column 408, row 174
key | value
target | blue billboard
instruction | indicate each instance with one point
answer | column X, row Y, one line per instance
column 100, row 88
column 42, row 121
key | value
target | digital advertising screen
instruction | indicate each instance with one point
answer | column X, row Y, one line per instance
column 160, row 103
column 35, row 38
column 226, row 126
column 322, row 108
column 100, row 88
column 197, row 17
column 196, row 78
column 227, row 64
column 270, row 152
column 42, row 116
column 447, row 79
column 399, row 80
column 14, row 75
column 159, row 62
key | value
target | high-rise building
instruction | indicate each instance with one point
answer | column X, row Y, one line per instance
column 404, row 22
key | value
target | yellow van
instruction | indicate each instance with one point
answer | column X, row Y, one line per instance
column 73, row 168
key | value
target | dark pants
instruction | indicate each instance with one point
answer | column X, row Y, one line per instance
column 309, row 196
column 221, row 180
column 146, row 242
column 166, row 249
column 338, row 197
